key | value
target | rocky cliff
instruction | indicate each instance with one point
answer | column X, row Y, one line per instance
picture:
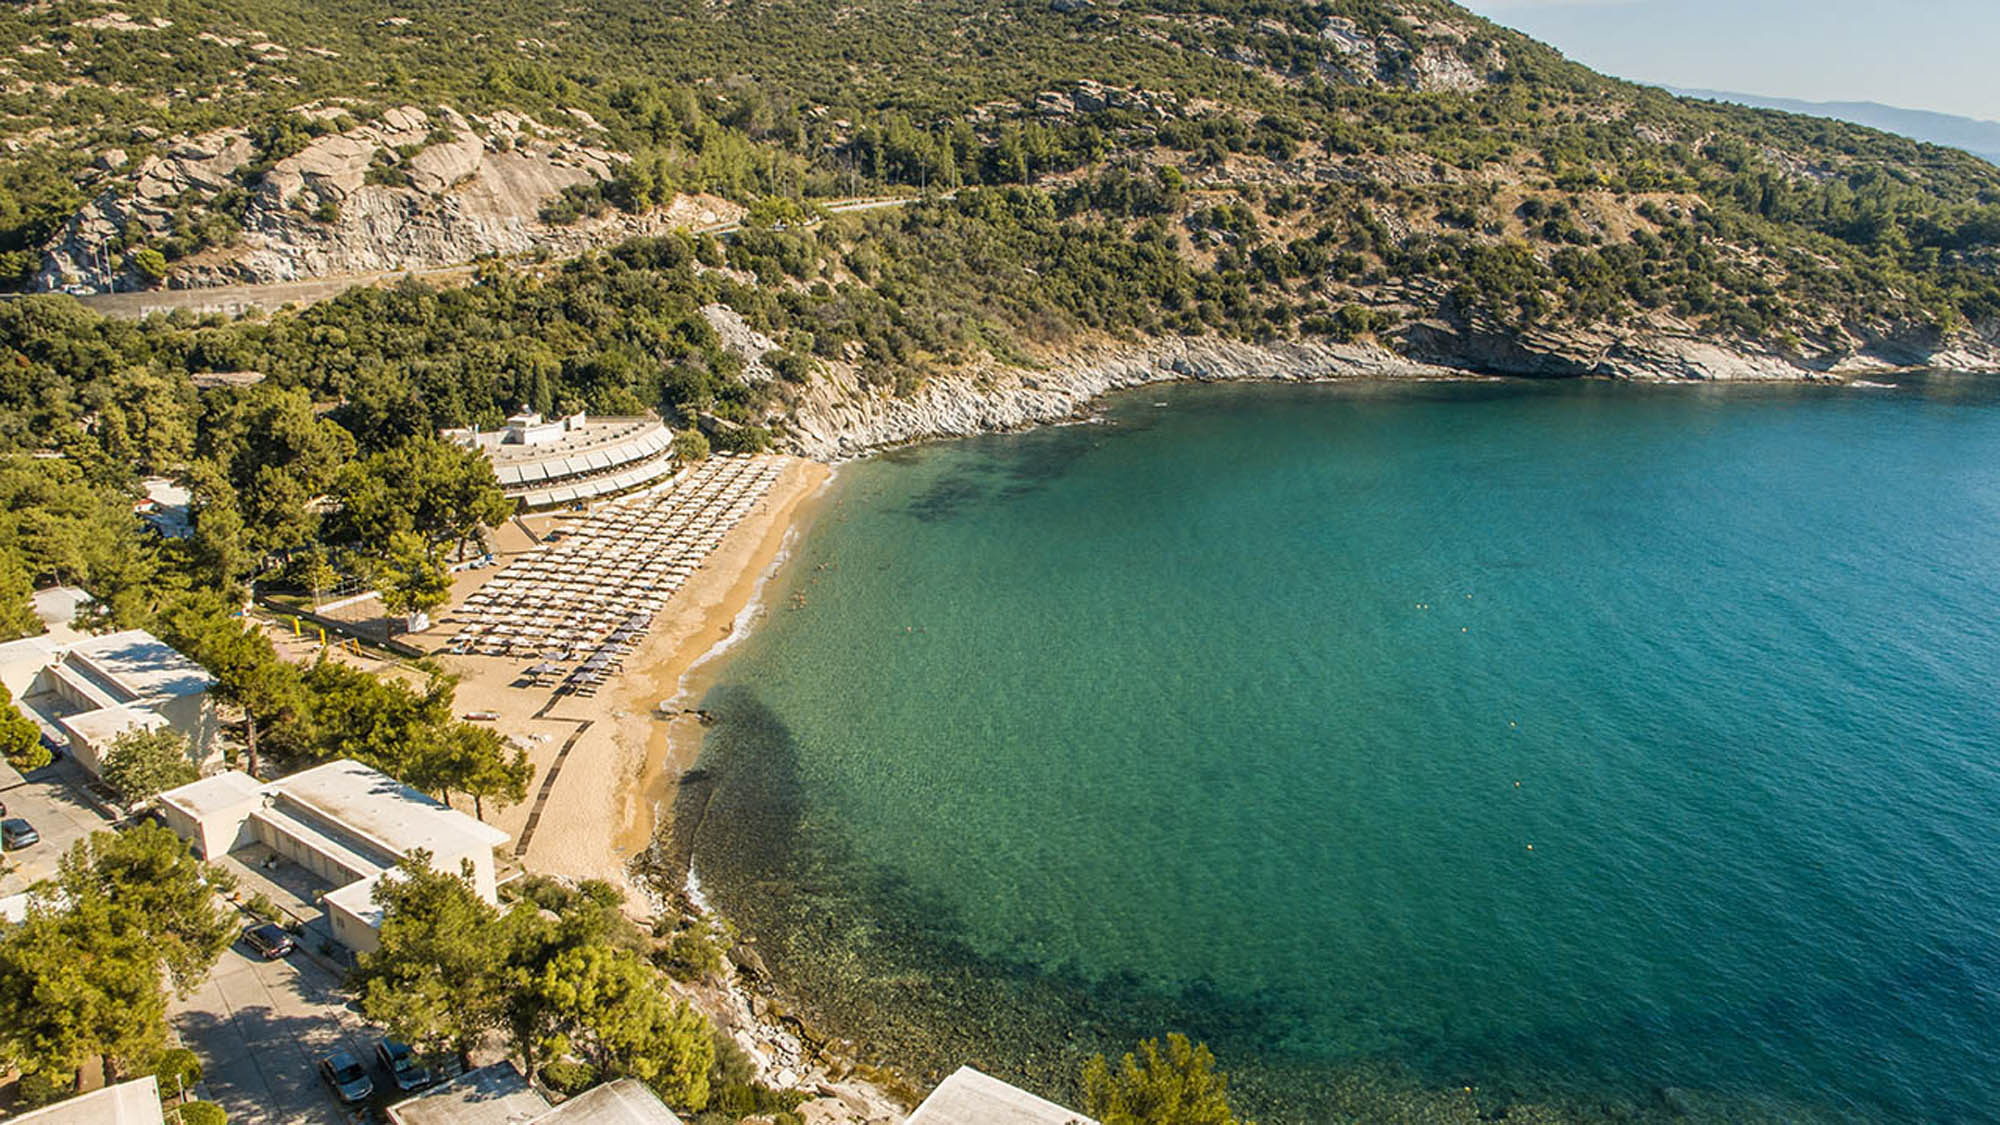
column 838, row 415
column 409, row 190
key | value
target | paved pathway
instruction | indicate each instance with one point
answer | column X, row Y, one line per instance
column 261, row 1027
column 52, row 800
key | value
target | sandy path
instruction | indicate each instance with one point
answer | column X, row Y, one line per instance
column 621, row 767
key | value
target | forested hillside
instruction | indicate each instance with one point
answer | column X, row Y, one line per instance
column 1390, row 174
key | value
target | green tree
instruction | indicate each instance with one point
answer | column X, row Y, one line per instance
column 478, row 762
column 318, row 573
column 74, row 985
column 144, row 763
column 439, row 490
column 691, row 446
column 249, row 676
column 17, row 607
column 279, row 455
column 84, row 975
column 413, row 579
column 151, row 264
column 438, row 980
column 1177, row 1087
column 609, row 1008
column 158, row 886
column 177, row 1070
column 220, row 546
column 20, row 738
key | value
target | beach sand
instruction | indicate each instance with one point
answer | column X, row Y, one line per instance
column 614, row 762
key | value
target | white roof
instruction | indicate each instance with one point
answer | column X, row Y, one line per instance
column 14, row 908
column 358, row 898
column 143, row 664
column 971, row 1098
column 228, row 790
column 383, row 811
column 101, row 726
column 491, row 1095
column 129, row 1103
column 627, row 1101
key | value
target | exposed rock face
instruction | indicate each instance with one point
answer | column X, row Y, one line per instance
column 741, row 340
column 1435, row 61
column 465, row 189
column 838, row 417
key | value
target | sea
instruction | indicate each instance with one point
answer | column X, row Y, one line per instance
column 1432, row 751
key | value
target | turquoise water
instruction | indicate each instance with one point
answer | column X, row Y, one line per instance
column 1609, row 750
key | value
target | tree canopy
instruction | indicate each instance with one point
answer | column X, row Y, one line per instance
column 570, row 988
column 143, row 763
column 85, row 975
column 1175, row 1086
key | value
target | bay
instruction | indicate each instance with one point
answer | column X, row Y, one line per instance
column 1429, row 749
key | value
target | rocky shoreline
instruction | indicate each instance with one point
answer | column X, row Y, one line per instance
column 837, row 417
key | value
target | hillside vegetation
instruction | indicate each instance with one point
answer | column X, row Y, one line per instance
column 1078, row 173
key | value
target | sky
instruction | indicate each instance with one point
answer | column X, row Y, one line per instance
column 1941, row 55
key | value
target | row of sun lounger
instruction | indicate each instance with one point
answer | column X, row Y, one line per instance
column 589, row 596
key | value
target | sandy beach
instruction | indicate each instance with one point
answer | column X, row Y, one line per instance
column 605, row 766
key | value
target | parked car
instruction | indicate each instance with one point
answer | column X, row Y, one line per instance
column 406, row 1070
column 344, row 1073
column 270, row 940
column 16, row 834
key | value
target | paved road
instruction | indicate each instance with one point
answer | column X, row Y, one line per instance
column 51, row 800
column 261, row 1027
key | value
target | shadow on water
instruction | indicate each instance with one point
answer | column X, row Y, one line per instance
column 877, row 961
column 1005, row 467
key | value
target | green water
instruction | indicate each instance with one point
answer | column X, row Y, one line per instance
column 1612, row 751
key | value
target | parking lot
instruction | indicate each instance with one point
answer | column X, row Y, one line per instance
column 261, row 1027
column 52, row 800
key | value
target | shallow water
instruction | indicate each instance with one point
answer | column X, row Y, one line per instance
column 1608, row 750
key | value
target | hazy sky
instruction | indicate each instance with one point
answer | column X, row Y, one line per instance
column 1940, row 55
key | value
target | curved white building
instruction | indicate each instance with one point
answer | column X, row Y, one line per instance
column 550, row 463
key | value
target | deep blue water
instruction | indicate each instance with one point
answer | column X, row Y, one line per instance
column 1609, row 750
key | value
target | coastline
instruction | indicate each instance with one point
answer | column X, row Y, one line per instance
column 604, row 765
column 716, row 611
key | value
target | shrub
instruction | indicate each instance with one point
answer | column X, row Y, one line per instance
column 568, row 1077
column 691, row 445
column 178, row 1069
column 151, row 264
column 203, row 1113
column 743, row 439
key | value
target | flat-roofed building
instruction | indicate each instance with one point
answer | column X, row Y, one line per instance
column 546, row 463
column 129, row 1103
column 970, row 1097
column 347, row 824
column 498, row 1095
column 90, row 690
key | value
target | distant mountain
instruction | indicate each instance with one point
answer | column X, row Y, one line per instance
column 1980, row 138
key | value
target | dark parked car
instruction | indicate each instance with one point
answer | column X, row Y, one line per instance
column 271, row 941
column 405, row 1069
column 16, row 833
column 344, row 1073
